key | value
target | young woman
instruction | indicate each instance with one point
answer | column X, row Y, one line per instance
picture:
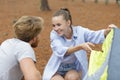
column 69, row 44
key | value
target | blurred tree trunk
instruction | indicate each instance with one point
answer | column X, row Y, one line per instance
column 83, row 0
column 106, row 2
column 118, row 2
column 96, row 1
column 44, row 5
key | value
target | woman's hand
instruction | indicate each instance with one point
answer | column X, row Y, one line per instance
column 109, row 29
column 112, row 26
column 88, row 47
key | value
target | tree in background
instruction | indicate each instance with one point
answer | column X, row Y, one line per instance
column 96, row 1
column 83, row 0
column 118, row 2
column 106, row 1
column 44, row 5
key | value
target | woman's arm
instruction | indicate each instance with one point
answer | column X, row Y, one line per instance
column 85, row 46
column 29, row 70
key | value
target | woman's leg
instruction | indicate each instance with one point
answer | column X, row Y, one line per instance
column 57, row 77
column 72, row 75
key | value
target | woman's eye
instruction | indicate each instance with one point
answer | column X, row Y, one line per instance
column 58, row 24
column 53, row 25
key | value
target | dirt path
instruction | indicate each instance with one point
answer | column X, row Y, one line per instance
column 89, row 14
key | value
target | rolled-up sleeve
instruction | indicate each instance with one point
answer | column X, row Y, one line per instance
column 94, row 36
column 57, row 45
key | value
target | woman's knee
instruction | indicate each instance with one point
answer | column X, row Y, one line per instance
column 72, row 75
column 57, row 77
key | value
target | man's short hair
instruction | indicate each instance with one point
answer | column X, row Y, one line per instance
column 28, row 27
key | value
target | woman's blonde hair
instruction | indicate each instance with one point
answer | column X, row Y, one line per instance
column 28, row 27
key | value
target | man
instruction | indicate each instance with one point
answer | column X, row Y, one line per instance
column 17, row 56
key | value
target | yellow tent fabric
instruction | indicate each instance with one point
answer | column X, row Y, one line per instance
column 97, row 57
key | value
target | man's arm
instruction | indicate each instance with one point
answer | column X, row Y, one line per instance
column 29, row 70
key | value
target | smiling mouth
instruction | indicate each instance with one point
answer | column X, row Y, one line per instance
column 58, row 32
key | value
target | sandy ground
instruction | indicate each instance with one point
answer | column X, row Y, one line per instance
column 90, row 15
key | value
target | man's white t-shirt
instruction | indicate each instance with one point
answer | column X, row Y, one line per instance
column 11, row 52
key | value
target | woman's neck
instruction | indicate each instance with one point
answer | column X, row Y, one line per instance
column 69, row 33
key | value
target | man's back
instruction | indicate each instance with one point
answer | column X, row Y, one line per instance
column 9, row 67
column 11, row 52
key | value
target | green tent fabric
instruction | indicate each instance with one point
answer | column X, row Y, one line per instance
column 98, row 59
column 104, row 65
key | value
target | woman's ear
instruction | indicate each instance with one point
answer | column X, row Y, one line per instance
column 68, row 22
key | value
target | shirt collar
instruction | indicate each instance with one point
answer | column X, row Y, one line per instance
column 74, row 37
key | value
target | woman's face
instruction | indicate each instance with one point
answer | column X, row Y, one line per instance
column 60, row 25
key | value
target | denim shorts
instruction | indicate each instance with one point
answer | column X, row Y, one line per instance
column 64, row 68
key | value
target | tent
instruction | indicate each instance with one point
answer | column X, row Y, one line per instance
column 105, row 65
